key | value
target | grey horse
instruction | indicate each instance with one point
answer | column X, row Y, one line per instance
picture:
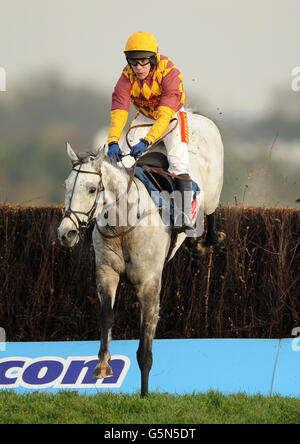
column 135, row 251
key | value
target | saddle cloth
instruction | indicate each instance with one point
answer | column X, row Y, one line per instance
column 147, row 170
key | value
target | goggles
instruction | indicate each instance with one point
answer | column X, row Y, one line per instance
column 141, row 62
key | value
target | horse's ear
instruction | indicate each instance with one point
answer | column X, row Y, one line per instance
column 73, row 156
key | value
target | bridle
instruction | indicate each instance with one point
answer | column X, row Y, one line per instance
column 90, row 215
column 73, row 215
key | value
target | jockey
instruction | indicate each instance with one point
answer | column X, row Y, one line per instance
column 154, row 85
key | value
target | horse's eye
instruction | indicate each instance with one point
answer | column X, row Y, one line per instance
column 92, row 190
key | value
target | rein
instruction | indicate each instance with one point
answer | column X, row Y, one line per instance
column 144, row 125
column 155, row 169
column 147, row 125
column 73, row 215
column 132, row 171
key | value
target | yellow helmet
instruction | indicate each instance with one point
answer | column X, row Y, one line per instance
column 142, row 45
column 142, row 42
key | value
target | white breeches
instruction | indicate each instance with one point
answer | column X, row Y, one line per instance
column 175, row 142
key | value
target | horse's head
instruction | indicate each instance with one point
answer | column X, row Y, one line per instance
column 82, row 195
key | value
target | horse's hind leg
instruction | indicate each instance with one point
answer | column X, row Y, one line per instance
column 148, row 295
column 213, row 236
column 107, row 283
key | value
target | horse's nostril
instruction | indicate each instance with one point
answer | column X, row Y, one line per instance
column 71, row 234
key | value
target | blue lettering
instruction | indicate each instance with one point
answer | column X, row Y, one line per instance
column 57, row 372
column 76, row 368
column 53, row 371
column 117, row 366
column 9, row 365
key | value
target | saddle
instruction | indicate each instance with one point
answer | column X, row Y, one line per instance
column 152, row 170
column 155, row 166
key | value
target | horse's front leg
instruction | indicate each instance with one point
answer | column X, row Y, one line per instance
column 148, row 295
column 107, row 283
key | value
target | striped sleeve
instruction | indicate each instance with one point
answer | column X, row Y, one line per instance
column 119, row 108
column 121, row 94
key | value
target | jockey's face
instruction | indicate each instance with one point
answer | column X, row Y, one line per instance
column 141, row 70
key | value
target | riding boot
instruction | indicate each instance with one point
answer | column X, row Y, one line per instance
column 183, row 202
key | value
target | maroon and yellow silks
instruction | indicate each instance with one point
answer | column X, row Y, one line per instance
column 158, row 97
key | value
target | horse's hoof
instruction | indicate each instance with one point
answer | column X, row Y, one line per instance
column 103, row 372
column 221, row 237
column 202, row 247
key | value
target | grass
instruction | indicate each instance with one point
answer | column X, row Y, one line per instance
column 211, row 408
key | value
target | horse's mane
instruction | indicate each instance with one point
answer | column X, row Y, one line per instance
column 88, row 156
column 121, row 169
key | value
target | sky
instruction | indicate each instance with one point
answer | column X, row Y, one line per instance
column 232, row 53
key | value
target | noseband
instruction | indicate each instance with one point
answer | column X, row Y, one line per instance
column 72, row 214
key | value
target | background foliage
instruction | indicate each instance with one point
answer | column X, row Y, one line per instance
column 38, row 116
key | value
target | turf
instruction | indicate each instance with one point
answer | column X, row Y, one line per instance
column 211, row 408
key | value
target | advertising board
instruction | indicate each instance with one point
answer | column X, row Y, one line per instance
column 180, row 366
